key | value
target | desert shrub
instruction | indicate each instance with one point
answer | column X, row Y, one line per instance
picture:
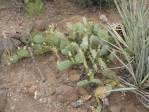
column 134, row 46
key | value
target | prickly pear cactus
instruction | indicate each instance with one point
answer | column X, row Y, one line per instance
column 86, row 44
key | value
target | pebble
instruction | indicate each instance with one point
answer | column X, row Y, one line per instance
column 61, row 99
column 82, row 91
column 52, row 91
column 74, row 76
column 37, row 95
column 7, row 44
column 31, row 90
column 116, row 108
column 64, row 90
column 103, row 18
column 77, row 103
column 65, row 93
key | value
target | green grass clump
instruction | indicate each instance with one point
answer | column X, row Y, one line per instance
column 34, row 7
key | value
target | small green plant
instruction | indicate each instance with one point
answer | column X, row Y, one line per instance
column 37, row 42
column 34, row 7
column 40, row 43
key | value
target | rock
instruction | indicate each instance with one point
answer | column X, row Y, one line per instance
column 60, row 98
column 73, row 97
column 116, row 108
column 31, row 90
column 82, row 91
column 69, row 99
column 87, row 97
column 3, row 100
column 131, row 108
column 8, row 44
column 52, row 91
column 66, row 93
column 37, row 95
column 64, row 90
column 103, row 18
column 77, row 103
column 74, row 75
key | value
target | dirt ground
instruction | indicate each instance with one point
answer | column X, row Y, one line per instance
column 21, row 89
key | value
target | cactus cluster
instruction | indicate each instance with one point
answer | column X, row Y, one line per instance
column 85, row 44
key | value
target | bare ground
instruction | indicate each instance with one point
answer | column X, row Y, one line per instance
column 21, row 89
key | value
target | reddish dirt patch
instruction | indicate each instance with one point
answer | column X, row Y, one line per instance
column 26, row 93
column 20, row 89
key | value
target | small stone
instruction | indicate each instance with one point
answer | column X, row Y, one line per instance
column 74, row 75
column 43, row 100
column 37, row 95
column 32, row 89
column 130, row 108
column 72, row 98
column 116, row 108
column 29, row 89
column 64, row 99
column 13, row 107
column 64, row 90
column 52, row 91
column 66, row 93
column 86, row 97
column 61, row 99
column 103, row 18
column 8, row 44
column 82, row 91
column 77, row 103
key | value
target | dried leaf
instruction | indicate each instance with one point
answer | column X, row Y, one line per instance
column 87, row 97
column 102, row 91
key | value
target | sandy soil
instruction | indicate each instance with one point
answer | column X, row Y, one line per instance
column 21, row 89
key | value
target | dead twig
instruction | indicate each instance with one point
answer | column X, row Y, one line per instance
column 41, row 76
